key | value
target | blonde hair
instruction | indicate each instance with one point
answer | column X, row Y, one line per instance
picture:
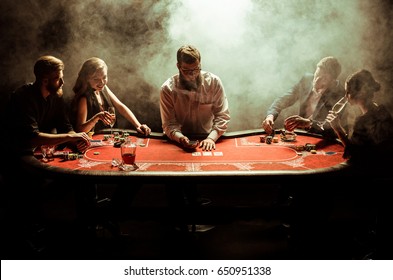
column 88, row 68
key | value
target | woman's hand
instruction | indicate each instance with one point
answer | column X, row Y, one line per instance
column 105, row 117
column 332, row 119
column 144, row 129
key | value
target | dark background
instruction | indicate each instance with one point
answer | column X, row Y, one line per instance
column 258, row 48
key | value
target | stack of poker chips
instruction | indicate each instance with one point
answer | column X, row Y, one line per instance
column 299, row 148
column 71, row 156
column 309, row 147
column 269, row 139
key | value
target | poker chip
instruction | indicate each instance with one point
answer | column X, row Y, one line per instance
column 269, row 139
column 308, row 147
column 70, row 156
column 288, row 136
column 299, row 148
column 117, row 144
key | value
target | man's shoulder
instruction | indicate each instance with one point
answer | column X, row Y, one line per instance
column 382, row 112
column 24, row 89
column 305, row 80
column 210, row 79
column 171, row 82
column 210, row 75
column 23, row 92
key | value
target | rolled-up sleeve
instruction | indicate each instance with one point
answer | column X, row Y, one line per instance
column 220, row 111
column 170, row 124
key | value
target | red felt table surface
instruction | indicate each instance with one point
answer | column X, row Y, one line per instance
column 240, row 154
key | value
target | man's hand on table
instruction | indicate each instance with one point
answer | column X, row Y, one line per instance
column 208, row 144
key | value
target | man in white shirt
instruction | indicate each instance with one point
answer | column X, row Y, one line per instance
column 193, row 102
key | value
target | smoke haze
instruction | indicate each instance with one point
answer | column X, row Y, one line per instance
column 258, row 48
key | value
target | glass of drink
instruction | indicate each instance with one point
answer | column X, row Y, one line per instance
column 47, row 152
column 337, row 108
column 128, row 154
column 112, row 111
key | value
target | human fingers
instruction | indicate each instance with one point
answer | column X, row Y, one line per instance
column 144, row 129
column 267, row 126
column 184, row 141
column 82, row 146
column 147, row 130
column 291, row 119
column 208, row 145
column 331, row 117
column 84, row 137
column 290, row 125
column 292, row 122
column 105, row 117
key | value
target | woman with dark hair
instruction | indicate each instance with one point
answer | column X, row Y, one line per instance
column 367, row 150
column 372, row 136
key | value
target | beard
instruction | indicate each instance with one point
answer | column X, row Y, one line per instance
column 190, row 85
column 319, row 88
column 55, row 90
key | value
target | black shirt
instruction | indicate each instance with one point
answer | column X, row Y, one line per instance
column 31, row 113
column 371, row 143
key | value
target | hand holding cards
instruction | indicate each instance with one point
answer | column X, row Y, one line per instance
column 189, row 144
column 193, row 144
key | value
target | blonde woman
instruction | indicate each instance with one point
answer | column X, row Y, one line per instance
column 93, row 97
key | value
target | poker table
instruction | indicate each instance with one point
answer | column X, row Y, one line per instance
column 238, row 156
